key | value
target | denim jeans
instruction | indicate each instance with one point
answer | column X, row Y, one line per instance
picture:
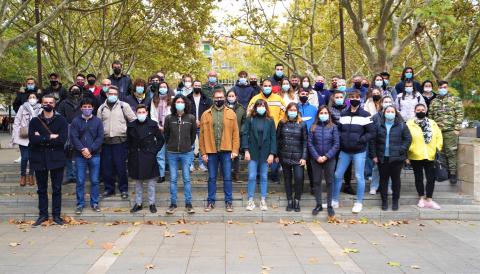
column 274, row 167
column 139, row 191
column 253, row 166
column 185, row 160
column 344, row 160
column 93, row 165
column 69, row 170
column 114, row 157
column 56, row 177
column 225, row 161
column 161, row 160
column 24, row 161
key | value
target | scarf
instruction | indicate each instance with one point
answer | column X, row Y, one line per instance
column 162, row 109
column 424, row 124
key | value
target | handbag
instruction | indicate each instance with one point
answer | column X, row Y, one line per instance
column 23, row 132
column 441, row 169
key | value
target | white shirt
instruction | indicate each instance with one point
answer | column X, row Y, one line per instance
column 196, row 98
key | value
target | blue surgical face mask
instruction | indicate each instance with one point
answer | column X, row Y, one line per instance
column 390, row 116
column 105, row 89
column 30, row 86
column 212, row 79
column 342, row 88
column 408, row 89
column 163, row 91
column 443, row 91
column 140, row 89
column 408, row 75
column 339, row 101
column 242, row 81
column 323, row 117
column 292, row 114
column 112, row 98
column 285, row 87
column 279, row 73
column 141, row 117
column 261, row 110
column 386, row 81
column 267, row 90
column 180, row 106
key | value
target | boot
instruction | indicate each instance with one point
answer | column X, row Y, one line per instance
column 331, row 212
column 296, row 205
column 31, row 180
column 395, row 205
column 289, row 206
column 453, row 178
column 23, row 180
column 384, row 204
column 317, row 209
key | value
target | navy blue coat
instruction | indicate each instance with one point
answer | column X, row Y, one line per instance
column 356, row 130
column 46, row 153
column 323, row 141
column 399, row 141
column 244, row 93
column 124, row 83
column 86, row 134
column 259, row 149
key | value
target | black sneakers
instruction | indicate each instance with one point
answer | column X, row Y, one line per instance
column 136, row 208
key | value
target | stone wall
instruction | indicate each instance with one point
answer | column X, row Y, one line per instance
column 469, row 166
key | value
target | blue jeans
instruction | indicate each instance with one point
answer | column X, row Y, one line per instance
column 93, row 165
column 161, row 160
column 225, row 161
column 114, row 158
column 274, row 167
column 69, row 170
column 24, row 161
column 344, row 160
column 186, row 160
column 253, row 166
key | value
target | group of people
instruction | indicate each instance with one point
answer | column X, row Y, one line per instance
column 124, row 128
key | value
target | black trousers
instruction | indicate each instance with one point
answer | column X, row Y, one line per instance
column 310, row 171
column 390, row 171
column 418, row 168
column 294, row 172
column 56, row 177
column 320, row 171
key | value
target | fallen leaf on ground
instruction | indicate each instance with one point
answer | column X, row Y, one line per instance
column 117, row 252
column 352, row 242
column 364, row 220
column 296, row 233
column 184, row 231
column 230, row 222
column 149, row 266
column 241, row 257
column 90, row 243
column 136, row 223
column 107, row 246
column 251, row 232
column 414, row 267
column 399, row 235
column 313, row 260
column 374, row 243
column 14, row 244
column 394, row 264
column 266, row 267
column 168, row 234
column 350, row 250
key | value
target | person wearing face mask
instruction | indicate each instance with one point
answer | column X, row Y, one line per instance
column 115, row 114
column 144, row 142
column 92, row 85
column 333, row 84
column 381, row 82
column 180, row 132
column 288, row 94
column 389, row 151
column 219, row 145
column 373, row 101
column 259, row 141
column 323, row 145
column 292, row 154
column 387, row 85
column 254, row 84
column 356, row 130
column 233, row 104
column 80, row 81
column 323, row 93
column 139, row 95
column 187, row 85
column 55, row 88
column 357, row 85
column 86, row 134
column 408, row 75
column 212, row 84
column 199, row 103
column 426, row 141
column 277, row 77
column 243, row 89
column 313, row 96
column 120, row 80
column 25, row 114
column 24, row 92
column 447, row 111
column 47, row 135
column 407, row 100
column 428, row 94
column 105, row 85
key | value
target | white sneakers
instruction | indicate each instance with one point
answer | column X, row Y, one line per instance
column 357, row 207
column 373, row 191
column 250, row 205
column 202, row 168
column 263, row 205
column 335, row 204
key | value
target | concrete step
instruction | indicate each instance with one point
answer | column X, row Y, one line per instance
column 240, row 215
column 239, row 200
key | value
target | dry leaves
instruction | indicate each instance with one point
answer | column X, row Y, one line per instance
column 168, row 234
column 13, row 244
column 117, row 252
column 90, row 243
column 414, row 267
column 149, row 266
column 107, row 246
column 394, row 264
column 184, row 231
column 296, row 233
column 350, row 250
column 313, row 260
column 396, row 235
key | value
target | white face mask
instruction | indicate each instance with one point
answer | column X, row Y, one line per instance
column 188, row 84
column 32, row 101
column 427, row 89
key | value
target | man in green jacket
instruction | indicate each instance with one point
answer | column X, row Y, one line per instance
column 447, row 111
column 212, row 84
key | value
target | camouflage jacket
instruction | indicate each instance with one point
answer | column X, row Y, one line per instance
column 447, row 112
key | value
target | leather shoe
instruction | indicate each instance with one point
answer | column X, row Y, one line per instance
column 58, row 220
column 40, row 221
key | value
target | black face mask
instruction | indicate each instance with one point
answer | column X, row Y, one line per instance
column 365, row 85
column 357, row 85
column 253, row 83
column 155, row 85
column 376, row 97
column 91, row 82
column 303, row 99
column 47, row 108
column 117, row 71
column 420, row 115
column 219, row 103
column 354, row 102
column 54, row 82
column 197, row 90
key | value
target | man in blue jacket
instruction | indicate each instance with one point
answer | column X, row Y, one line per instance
column 120, row 80
column 86, row 135
column 243, row 90
column 47, row 134
column 356, row 130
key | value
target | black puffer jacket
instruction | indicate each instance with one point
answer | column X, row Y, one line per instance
column 399, row 141
column 292, row 142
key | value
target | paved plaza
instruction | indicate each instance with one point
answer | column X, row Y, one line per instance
column 233, row 247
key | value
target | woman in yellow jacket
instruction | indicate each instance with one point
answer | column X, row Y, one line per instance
column 426, row 140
